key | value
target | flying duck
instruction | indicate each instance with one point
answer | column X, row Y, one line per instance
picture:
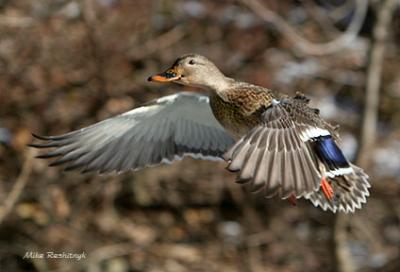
column 277, row 144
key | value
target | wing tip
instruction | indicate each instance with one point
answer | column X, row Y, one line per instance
column 41, row 137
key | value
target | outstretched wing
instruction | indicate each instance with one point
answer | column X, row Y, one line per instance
column 166, row 129
column 276, row 156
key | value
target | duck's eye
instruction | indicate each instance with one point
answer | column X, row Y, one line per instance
column 191, row 62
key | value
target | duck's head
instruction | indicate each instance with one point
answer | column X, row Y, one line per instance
column 193, row 70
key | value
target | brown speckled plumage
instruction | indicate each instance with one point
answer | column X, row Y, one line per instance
column 239, row 108
column 283, row 147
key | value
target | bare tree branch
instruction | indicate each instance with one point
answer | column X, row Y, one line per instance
column 369, row 125
column 19, row 185
column 16, row 21
column 106, row 252
column 341, row 254
column 374, row 75
column 305, row 45
column 158, row 44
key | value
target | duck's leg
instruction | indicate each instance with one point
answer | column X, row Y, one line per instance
column 327, row 188
column 292, row 199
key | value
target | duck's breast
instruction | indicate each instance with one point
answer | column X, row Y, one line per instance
column 231, row 118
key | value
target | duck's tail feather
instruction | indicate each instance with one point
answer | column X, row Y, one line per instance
column 350, row 191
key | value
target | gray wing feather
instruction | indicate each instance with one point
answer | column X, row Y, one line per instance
column 166, row 129
column 273, row 157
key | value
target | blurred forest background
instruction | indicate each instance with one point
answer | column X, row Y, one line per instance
column 68, row 64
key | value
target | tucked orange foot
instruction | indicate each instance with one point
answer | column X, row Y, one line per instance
column 292, row 199
column 326, row 189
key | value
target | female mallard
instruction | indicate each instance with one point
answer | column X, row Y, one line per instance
column 276, row 143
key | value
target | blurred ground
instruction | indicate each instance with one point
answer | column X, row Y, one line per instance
column 67, row 64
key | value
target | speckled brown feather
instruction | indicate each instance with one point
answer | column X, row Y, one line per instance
column 239, row 108
column 249, row 99
column 272, row 138
column 298, row 109
column 230, row 116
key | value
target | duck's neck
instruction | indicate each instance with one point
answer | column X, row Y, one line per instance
column 221, row 86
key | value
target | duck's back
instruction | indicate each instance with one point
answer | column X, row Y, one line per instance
column 239, row 109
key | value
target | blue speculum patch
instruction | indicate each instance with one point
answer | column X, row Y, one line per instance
column 329, row 153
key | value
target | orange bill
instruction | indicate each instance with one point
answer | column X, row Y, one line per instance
column 167, row 76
